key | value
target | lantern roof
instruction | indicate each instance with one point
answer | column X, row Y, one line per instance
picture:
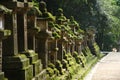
column 5, row 10
column 34, row 11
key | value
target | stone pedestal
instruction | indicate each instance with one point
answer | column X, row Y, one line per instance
column 33, row 57
column 17, row 68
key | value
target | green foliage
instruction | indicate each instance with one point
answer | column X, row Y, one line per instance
column 108, row 30
column 35, row 3
column 80, row 59
column 34, row 11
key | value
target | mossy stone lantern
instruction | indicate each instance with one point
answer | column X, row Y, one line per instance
column 3, row 34
column 44, row 34
column 43, row 37
column 32, row 28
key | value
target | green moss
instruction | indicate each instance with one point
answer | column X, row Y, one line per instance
column 34, row 11
column 4, row 9
column 4, row 34
column 42, row 5
column 65, row 64
column 60, row 16
column 73, row 22
column 56, row 35
column 51, row 65
column 45, row 13
column 59, row 66
column 48, row 15
column 50, row 71
column 80, row 59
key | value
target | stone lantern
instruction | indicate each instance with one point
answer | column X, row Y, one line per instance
column 62, row 43
column 44, row 34
column 15, row 65
column 3, row 34
column 42, row 42
column 32, row 27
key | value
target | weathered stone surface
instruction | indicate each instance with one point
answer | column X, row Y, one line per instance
column 1, row 76
column 33, row 57
column 4, row 33
column 10, row 24
column 28, row 4
column 13, row 4
column 22, row 74
column 15, row 62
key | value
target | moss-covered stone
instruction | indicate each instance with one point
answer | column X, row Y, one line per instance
column 4, row 33
column 19, row 61
column 33, row 60
column 50, row 71
column 22, row 74
column 60, row 15
column 65, row 64
column 4, row 9
column 59, row 66
column 17, row 67
column 34, row 11
column 31, row 54
column 1, row 76
column 45, row 13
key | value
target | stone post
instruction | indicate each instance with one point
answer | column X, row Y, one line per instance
column 68, row 47
column 42, row 37
column 11, row 24
column 22, row 30
column 31, row 33
column 32, row 29
column 1, row 28
column 3, row 33
column 60, row 51
column 61, row 46
column 72, row 47
column 16, row 66
column 78, row 46
column 52, row 50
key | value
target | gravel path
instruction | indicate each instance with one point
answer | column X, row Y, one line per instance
column 107, row 68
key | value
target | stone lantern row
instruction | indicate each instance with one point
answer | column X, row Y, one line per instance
column 55, row 49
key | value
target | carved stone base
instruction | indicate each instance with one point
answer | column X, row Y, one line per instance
column 23, row 74
column 37, row 66
column 17, row 67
